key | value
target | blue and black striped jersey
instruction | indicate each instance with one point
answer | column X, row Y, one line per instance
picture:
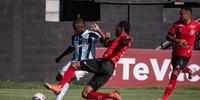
column 85, row 45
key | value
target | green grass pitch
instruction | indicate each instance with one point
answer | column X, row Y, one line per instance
column 15, row 91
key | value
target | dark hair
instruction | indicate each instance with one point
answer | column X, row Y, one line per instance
column 187, row 8
column 78, row 21
column 125, row 25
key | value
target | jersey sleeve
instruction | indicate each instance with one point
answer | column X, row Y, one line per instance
column 96, row 36
column 72, row 41
column 172, row 30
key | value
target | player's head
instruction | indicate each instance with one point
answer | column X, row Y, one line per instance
column 185, row 13
column 123, row 26
column 78, row 26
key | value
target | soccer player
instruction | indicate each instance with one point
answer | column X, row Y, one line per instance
column 102, row 68
column 182, row 34
column 83, row 46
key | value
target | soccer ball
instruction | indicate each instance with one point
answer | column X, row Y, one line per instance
column 38, row 96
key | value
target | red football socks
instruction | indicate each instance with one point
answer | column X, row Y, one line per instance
column 69, row 74
column 170, row 88
column 97, row 95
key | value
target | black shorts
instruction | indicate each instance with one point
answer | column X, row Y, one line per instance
column 102, row 69
column 179, row 62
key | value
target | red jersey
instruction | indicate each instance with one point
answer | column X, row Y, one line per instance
column 117, row 49
column 187, row 32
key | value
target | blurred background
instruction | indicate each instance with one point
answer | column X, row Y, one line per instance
column 34, row 32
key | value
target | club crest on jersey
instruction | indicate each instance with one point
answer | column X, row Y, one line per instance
column 192, row 26
column 192, row 32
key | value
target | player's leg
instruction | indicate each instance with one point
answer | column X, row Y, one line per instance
column 172, row 84
column 69, row 74
column 185, row 69
column 61, row 72
column 191, row 72
column 178, row 63
column 103, row 73
column 90, row 93
column 59, row 77
column 62, row 92
column 78, row 74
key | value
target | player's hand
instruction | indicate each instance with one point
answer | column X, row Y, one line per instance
column 94, row 27
column 131, row 39
column 128, row 40
column 107, row 35
column 57, row 60
column 182, row 42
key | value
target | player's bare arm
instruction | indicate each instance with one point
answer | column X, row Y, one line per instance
column 96, row 28
column 128, row 40
column 105, row 36
column 178, row 42
column 69, row 50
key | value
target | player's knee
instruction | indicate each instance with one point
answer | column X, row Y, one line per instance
column 85, row 94
column 176, row 72
column 76, row 65
column 59, row 77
